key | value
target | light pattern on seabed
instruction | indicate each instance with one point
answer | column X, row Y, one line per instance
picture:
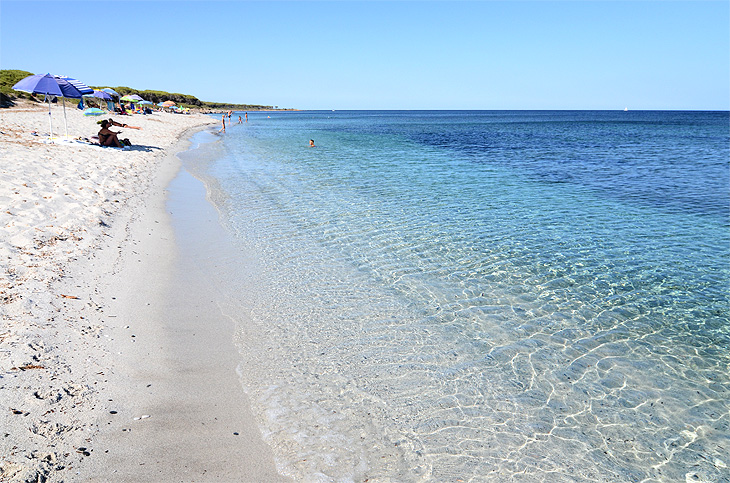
column 484, row 296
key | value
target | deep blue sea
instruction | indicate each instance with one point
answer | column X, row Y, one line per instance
column 482, row 295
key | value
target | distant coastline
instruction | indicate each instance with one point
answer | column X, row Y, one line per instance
column 239, row 109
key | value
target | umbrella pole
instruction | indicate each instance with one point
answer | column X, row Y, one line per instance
column 65, row 123
column 50, row 118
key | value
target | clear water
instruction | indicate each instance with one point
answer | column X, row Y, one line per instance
column 483, row 296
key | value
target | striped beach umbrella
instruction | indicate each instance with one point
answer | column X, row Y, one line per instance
column 80, row 86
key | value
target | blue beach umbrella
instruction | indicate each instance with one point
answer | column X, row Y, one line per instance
column 111, row 91
column 105, row 97
column 49, row 85
column 99, row 95
column 80, row 86
column 102, row 95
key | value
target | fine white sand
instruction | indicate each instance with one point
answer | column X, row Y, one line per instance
column 102, row 376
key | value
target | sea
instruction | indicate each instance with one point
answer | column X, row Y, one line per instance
column 480, row 296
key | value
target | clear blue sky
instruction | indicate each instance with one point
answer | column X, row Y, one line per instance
column 387, row 55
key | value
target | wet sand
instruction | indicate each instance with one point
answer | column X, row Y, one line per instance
column 115, row 365
column 180, row 370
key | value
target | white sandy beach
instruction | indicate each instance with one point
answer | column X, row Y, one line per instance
column 103, row 378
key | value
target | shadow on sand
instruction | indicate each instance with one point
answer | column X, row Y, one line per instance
column 146, row 149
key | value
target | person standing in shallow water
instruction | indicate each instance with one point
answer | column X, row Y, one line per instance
column 223, row 121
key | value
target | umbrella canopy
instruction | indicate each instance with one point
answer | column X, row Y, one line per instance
column 111, row 91
column 131, row 98
column 82, row 88
column 93, row 111
column 99, row 95
column 167, row 104
column 103, row 95
column 48, row 85
column 145, row 103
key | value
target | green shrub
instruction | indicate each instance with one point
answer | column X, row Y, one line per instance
column 8, row 78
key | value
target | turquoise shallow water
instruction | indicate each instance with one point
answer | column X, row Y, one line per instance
column 483, row 296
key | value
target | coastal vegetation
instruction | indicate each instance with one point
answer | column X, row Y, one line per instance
column 9, row 77
column 183, row 100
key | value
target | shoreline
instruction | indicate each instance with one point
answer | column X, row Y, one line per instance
column 89, row 256
column 180, row 370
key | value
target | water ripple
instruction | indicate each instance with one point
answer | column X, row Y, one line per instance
column 439, row 301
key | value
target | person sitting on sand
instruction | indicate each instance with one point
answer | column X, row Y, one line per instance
column 109, row 138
